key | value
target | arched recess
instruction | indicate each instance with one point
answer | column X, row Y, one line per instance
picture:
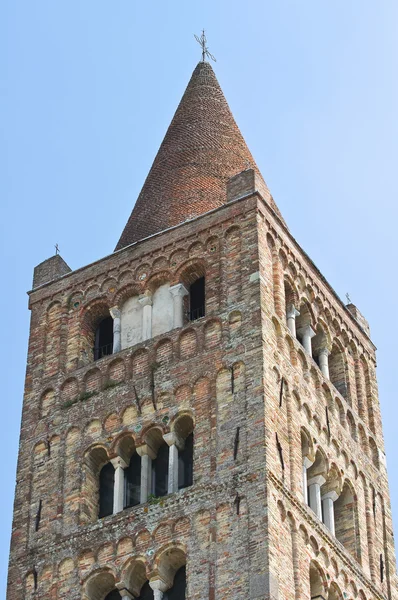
column 172, row 570
column 101, row 586
column 136, row 580
column 318, row 583
column 184, row 429
column 97, row 487
column 96, row 333
column 193, row 278
column 334, row 592
column 307, row 457
column 346, row 520
column 160, row 462
column 337, row 370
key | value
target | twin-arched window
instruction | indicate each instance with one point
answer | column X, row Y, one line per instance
column 142, row 317
column 162, row 466
column 176, row 592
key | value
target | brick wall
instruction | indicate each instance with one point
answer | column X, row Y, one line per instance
column 242, row 527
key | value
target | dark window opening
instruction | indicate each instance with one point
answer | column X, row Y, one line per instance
column 106, row 484
column 185, row 464
column 160, row 471
column 146, row 592
column 114, row 595
column 132, row 481
column 177, row 592
column 104, row 338
column 197, row 299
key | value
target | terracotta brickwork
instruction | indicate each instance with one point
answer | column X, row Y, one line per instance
column 275, row 425
column 201, row 150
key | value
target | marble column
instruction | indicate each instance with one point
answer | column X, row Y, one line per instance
column 118, row 490
column 147, row 455
column 314, row 486
column 178, row 292
column 146, row 303
column 291, row 315
column 306, row 333
column 328, row 501
column 117, row 337
column 323, row 357
column 306, row 465
column 175, row 443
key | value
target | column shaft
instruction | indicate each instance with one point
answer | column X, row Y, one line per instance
column 118, row 491
column 117, row 337
column 291, row 315
column 173, row 469
column 328, row 513
column 315, row 502
column 178, row 292
column 324, row 362
column 146, row 477
column 147, row 322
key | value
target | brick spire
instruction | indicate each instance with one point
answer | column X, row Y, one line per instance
column 201, row 150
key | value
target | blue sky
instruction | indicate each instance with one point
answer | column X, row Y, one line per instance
column 87, row 90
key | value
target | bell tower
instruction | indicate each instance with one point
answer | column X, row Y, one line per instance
column 200, row 418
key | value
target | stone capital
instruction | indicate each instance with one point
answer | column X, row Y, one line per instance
column 178, row 290
column 115, row 312
column 118, row 462
column 159, row 584
column 292, row 312
column 323, row 352
column 145, row 300
column 124, row 592
column 318, row 479
column 173, row 439
column 146, row 450
column 332, row 495
column 306, row 331
column 307, row 462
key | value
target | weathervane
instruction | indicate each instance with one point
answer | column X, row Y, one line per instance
column 348, row 298
column 56, row 250
column 205, row 51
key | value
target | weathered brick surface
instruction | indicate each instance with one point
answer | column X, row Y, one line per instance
column 266, row 549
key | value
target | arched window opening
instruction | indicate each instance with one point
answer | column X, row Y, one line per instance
column 146, row 592
column 337, row 373
column 317, row 587
column 183, row 430
column 160, row 471
column 185, row 464
column 316, row 477
column 132, row 481
column 103, row 345
column 106, row 485
column 345, row 520
column 197, row 299
column 306, row 453
column 178, row 591
column 320, row 351
column 114, row 595
column 290, row 308
column 303, row 327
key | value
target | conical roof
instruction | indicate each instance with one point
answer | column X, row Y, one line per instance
column 201, row 150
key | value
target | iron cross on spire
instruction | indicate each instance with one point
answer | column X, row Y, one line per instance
column 56, row 249
column 205, row 51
